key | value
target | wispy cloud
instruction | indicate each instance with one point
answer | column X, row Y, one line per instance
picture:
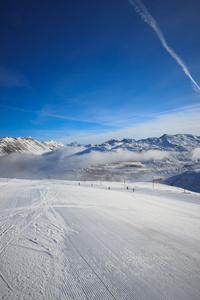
column 10, row 78
column 18, row 108
column 70, row 119
column 147, row 18
column 142, row 116
column 182, row 120
column 46, row 113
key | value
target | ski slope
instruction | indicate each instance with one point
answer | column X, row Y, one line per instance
column 62, row 240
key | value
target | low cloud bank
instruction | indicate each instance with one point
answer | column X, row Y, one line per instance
column 196, row 154
column 95, row 157
column 30, row 166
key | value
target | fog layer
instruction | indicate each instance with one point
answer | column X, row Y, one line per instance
column 51, row 164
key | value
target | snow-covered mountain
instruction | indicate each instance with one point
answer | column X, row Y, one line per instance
column 155, row 159
column 178, row 142
column 26, row 144
column 152, row 159
column 189, row 180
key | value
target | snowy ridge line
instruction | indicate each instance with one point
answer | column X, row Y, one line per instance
column 26, row 145
column 129, row 160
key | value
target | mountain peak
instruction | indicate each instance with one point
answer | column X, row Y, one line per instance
column 110, row 142
column 26, row 144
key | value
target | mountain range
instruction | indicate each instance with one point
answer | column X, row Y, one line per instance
column 173, row 159
column 26, row 145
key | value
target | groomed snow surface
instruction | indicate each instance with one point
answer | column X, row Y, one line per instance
column 62, row 240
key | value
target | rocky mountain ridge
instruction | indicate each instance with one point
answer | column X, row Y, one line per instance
column 178, row 142
column 157, row 159
column 26, row 145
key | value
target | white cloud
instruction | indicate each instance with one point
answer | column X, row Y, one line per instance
column 196, row 154
column 147, row 18
column 183, row 120
column 21, row 165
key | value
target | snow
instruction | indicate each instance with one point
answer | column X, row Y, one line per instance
column 190, row 180
column 26, row 145
column 153, row 158
column 62, row 240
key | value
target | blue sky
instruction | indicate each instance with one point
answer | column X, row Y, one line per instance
column 94, row 70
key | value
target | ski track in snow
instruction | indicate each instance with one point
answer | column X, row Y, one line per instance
column 59, row 240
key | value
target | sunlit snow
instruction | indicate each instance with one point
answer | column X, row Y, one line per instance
column 98, row 240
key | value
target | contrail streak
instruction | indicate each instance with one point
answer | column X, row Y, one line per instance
column 147, row 18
